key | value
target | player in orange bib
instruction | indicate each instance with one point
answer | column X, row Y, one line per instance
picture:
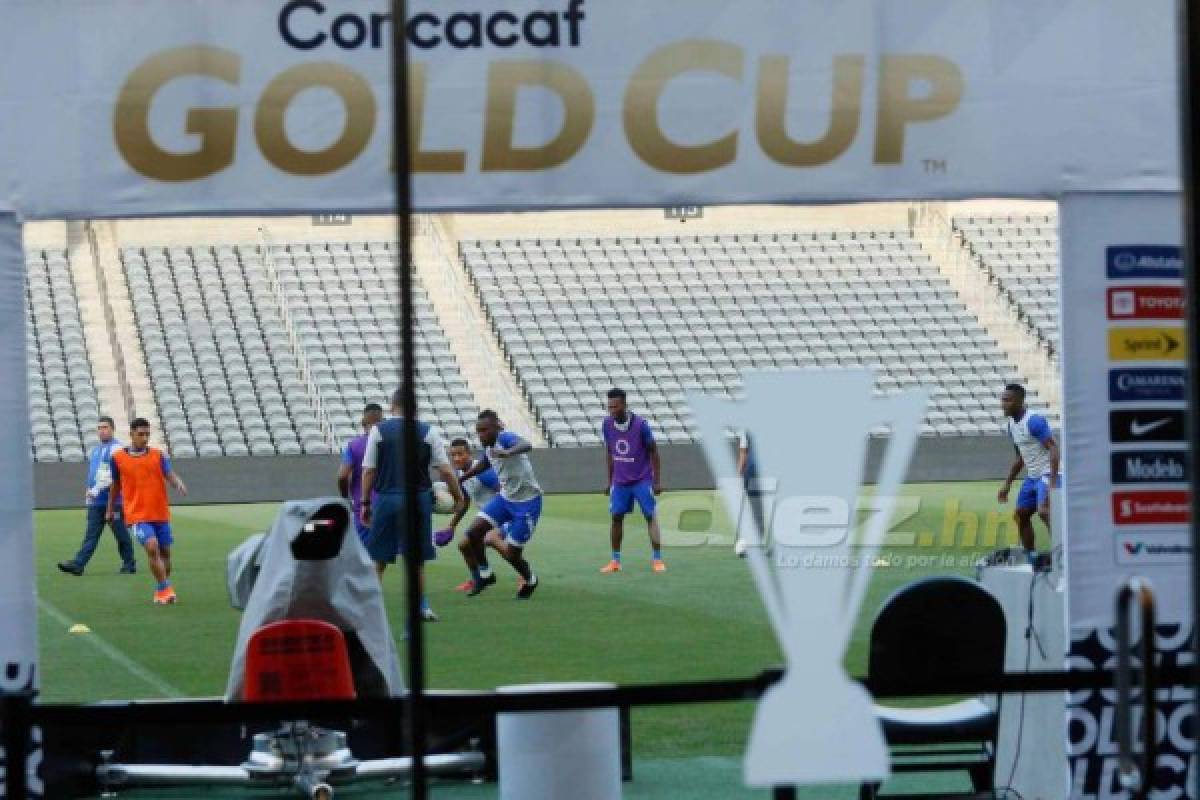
column 140, row 475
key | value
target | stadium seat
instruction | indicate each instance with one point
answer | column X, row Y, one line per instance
column 1021, row 260
column 296, row 660
column 714, row 308
column 947, row 627
column 56, row 359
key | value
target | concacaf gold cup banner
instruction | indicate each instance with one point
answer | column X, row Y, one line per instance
column 131, row 107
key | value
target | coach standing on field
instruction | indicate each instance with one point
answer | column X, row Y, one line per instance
column 99, row 480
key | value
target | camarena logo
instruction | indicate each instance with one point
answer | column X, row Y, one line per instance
column 1144, row 261
column 552, row 51
column 1127, row 385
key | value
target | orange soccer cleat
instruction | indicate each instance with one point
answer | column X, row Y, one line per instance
column 465, row 586
column 612, row 566
column 658, row 565
column 165, row 597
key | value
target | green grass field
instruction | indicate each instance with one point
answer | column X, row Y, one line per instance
column 702, row 619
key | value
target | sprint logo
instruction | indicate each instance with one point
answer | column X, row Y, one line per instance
column 1146, row 344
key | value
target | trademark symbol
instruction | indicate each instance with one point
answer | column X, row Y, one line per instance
column 934, row 166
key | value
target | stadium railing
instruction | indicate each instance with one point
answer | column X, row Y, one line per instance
column 298, row 351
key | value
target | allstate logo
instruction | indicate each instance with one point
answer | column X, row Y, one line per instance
column 1125, row 261
column 1144, row 261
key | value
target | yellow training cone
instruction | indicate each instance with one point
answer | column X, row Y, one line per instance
column 79, row 627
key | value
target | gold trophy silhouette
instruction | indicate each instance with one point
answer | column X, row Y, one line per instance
column 809, row 431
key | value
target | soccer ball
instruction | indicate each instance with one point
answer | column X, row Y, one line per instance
column 443, row 501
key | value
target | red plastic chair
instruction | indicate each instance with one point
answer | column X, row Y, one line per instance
column 298, row 659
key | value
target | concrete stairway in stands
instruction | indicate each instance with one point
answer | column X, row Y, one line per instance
column 935, row 232
column 96, row 330
column 483, row 364
column 127, row 348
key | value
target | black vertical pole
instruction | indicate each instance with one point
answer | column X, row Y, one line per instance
column 17, row 733
column 1188, row 31
column 408, row 372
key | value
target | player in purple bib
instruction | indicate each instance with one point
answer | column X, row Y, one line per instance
column 349, row 479
column 634, row 475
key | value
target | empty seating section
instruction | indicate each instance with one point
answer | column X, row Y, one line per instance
column 218, row 354
column 62, row 395
column 661, row 316
column 343, row 300
column 235, row 373
column 1020, row 255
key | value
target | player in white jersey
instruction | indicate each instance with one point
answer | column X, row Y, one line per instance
column 515, row 510
column 1037, row 453
column 479, row 491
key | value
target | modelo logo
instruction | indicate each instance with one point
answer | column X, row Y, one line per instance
column 1126, row 385
column 911, row 88
column 1144, row 261
column 1150, row 466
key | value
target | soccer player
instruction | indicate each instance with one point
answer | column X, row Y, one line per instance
column 349, row 478
column 384, row 473
column 478, row 490
column 515, row 510
column 634, row 474
column 140, row 476
column 1037, row 453
column 99, row 479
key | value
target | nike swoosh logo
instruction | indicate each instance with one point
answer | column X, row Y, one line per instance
column 1138, row 429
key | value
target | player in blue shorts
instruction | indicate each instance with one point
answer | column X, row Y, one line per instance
column 1038, row 455
column 634, row 477
column 478, row 490
column 514, row 510
column 387, row 484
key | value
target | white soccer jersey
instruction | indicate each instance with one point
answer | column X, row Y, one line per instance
column 1028, row 434
column 517, row 481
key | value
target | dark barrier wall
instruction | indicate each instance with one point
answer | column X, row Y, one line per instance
column 251, row 479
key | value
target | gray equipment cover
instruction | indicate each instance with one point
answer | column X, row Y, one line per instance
column 339, row 587
column 242, row 568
